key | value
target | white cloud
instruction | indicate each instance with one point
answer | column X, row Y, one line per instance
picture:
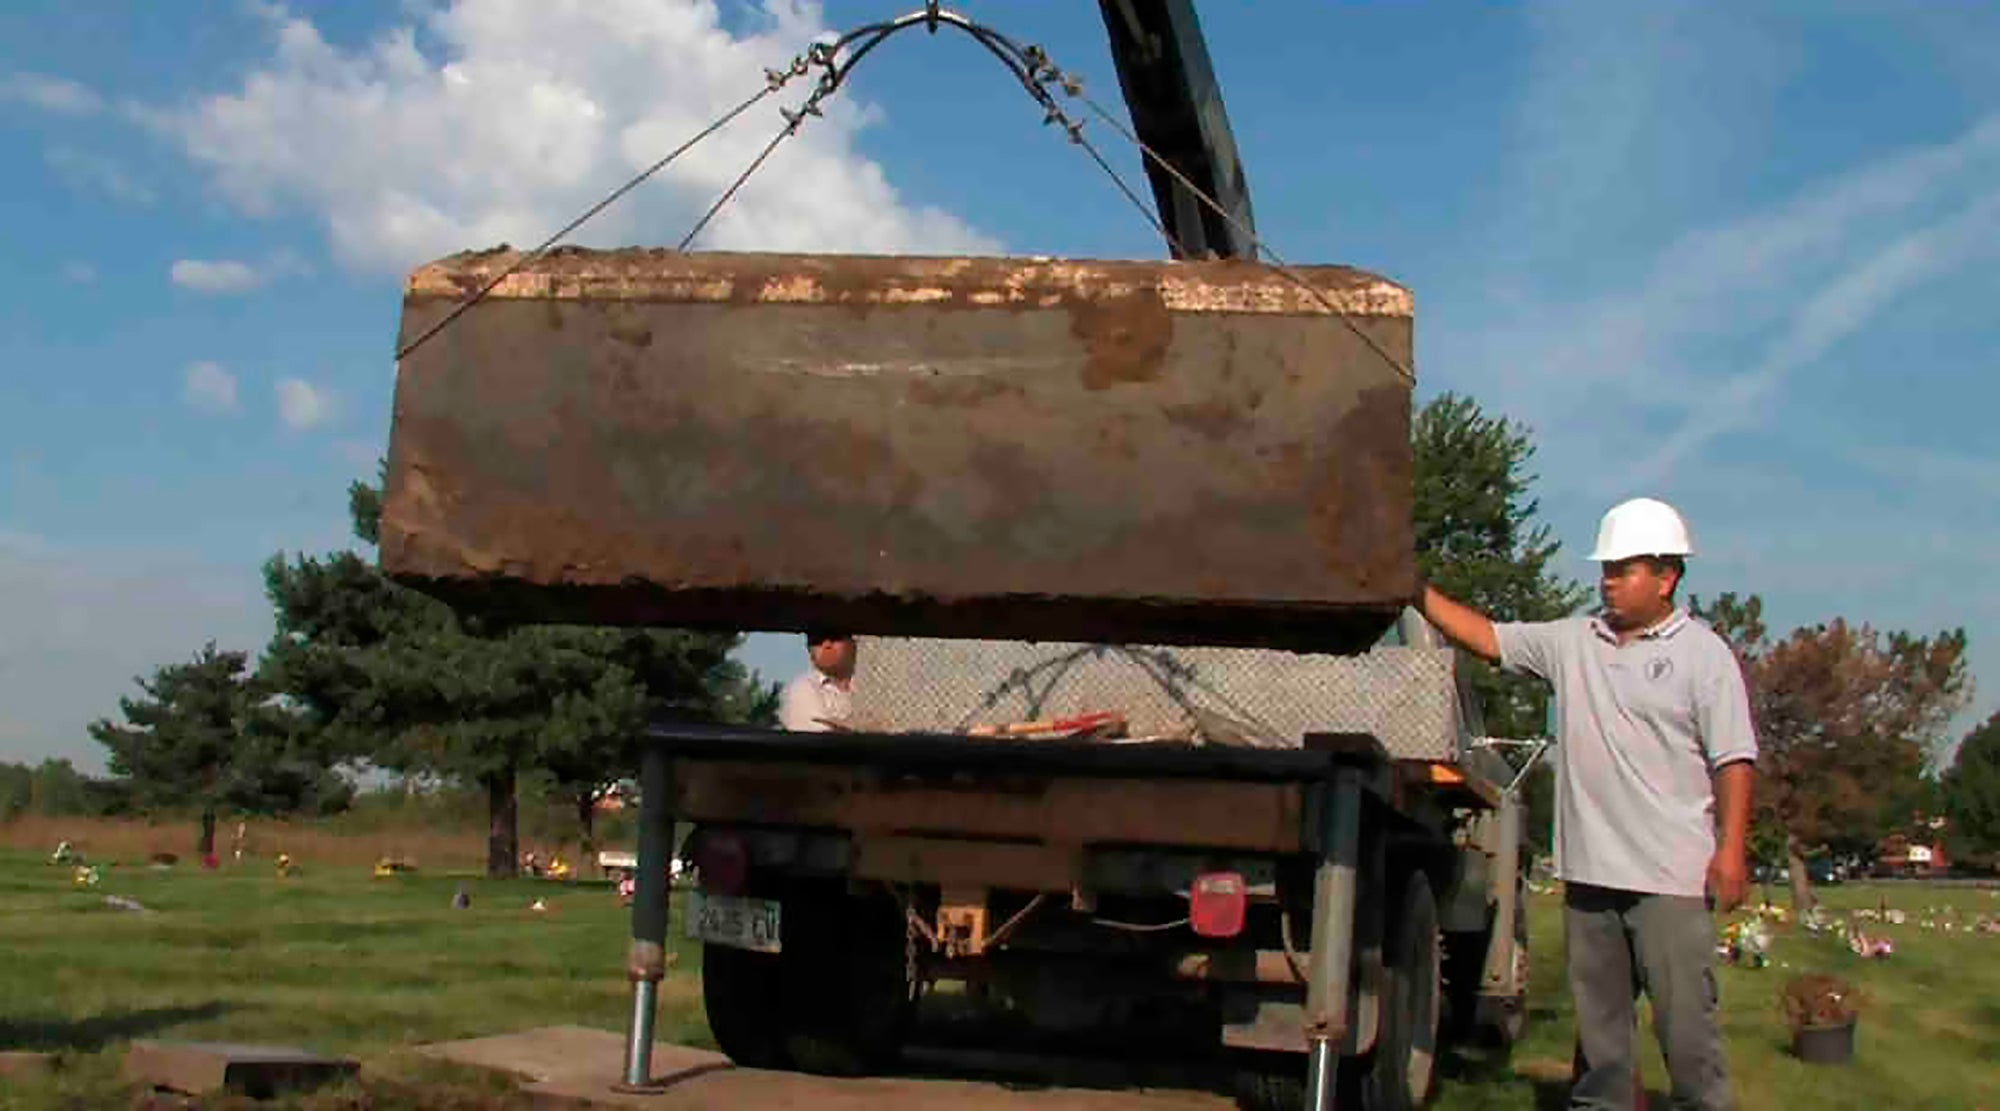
column 1915, row 468
column 13, row 543
column 210, row 388
column 1836, row 311
column 302, row 405
column 1786, row 283
column 78, row 272
column 221, row 276
column 97, row 173
column 226, row 276
column 51, row 94
column 524, row 113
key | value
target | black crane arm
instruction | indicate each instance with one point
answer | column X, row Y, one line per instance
column 1176, row 107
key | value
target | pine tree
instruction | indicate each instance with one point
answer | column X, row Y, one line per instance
column 209, row 735
column 405, row 682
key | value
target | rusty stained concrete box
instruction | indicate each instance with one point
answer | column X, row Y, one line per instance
column 1170, row 452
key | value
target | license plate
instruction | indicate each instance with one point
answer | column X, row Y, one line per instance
column 734, row 920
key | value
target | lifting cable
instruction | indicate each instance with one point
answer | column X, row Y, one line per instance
column 1030, row 66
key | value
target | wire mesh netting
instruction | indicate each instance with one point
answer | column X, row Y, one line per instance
column 1413, row 699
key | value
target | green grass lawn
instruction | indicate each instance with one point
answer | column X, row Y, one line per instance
column 332, row 960
column 1930, row 1037
column 337, row 961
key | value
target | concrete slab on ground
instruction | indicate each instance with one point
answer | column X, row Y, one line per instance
column 575, row 1067
column 258, row 1071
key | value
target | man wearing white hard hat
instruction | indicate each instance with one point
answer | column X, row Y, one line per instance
column 1654, row 760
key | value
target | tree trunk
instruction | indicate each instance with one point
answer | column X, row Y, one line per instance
column 205, row 844
column 586, row 826
column 1795, row 861
column 503, row 845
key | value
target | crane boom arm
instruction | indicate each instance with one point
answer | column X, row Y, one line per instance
column 1176, row 106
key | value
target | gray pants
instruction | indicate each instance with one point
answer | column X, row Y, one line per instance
column 1621, row 943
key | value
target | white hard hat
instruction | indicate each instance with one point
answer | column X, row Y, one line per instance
column 1641, row 527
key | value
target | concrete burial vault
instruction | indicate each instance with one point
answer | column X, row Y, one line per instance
column 1163, row 452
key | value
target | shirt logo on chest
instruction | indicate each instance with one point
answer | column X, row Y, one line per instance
column 1658, row 668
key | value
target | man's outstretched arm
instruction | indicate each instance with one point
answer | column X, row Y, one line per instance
column 1460, row 623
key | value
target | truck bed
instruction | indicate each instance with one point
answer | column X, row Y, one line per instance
column 1037, row 802
column 919, row 752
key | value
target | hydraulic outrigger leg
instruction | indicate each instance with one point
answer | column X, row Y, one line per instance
column 646, row 963
column 1327, row 984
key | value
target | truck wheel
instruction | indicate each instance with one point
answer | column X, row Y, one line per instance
column 1400, row 1073
column 740, row 992
column 849, row 984
column 1270, row 1081
column 834, row 1001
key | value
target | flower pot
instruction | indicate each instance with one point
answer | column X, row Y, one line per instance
column 1824, row 1045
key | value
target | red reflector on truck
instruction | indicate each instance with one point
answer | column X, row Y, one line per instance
column 1216, row 902
column 722, row 859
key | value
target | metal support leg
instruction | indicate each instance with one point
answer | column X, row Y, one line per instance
column 646, row 961
column 1327, row 974
column 1500, row 962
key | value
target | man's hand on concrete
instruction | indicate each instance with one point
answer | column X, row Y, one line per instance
column 1728, row 880
column 1460, row 623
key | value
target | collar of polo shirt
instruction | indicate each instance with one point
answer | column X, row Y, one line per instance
column 1665, row 627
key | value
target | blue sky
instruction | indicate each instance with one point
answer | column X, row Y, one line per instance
column 1740, row 256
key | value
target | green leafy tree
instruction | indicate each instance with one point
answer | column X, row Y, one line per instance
column 405, row 682
column 206, row 735
column 57, row 789
column 17, row 791
column 1847, row 718
column 1477, row 538
column 53, row 788
column 640, row 676
column 1971, row 789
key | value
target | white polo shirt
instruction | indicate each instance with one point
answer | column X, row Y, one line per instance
column 811, row 698
column 1640, row 729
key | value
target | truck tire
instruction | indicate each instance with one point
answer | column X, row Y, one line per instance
column 739, row 990
column 1268, row 1081
column 834, row 1001
column 846, row 983
column 1400, row 1073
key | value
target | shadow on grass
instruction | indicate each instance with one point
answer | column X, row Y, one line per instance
column 1497, row 1070
column 1988, row 1015
column 94, row 1033
column 1024, row 1069
column 1546, row 1077
column 958, row 1037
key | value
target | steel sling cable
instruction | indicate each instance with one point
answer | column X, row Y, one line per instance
column 1031, row 68
column 1277, row 263
column 775, row 79
column 1028, row 64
